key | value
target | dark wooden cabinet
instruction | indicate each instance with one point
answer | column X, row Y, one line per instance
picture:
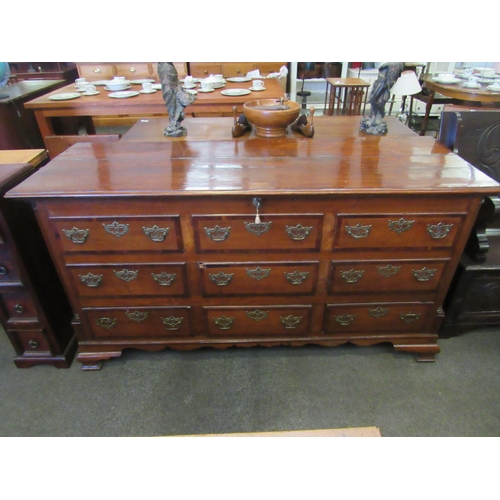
column 34, row 310
column 159, row 244
column 44, row 71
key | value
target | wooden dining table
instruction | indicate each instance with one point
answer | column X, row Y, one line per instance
column 142, row 105
column 457, row 91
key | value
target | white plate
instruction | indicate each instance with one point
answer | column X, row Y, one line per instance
column 141, row 81
column 472, row 85
column 494, row 88
column 65, row 96
column 191, row 91
column 235, row 92
column 239, row 79
column 446, row 82
column 122, row 94
column 257, row 89
column 189, row 86
column 147, row 91
column 114, row 90
column 209, row 90
column 91, row 93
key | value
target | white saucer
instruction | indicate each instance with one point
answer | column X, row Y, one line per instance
column 472, row 85
column 141, row 81
column 239, row 79
column 191, row 91
column 493, row 88
column 114, row 90
column 123, row 94
column 189, row 87
column 64, row 96
column 147, row 91
column 209, row 90
column 257, row 89
column 91, row 93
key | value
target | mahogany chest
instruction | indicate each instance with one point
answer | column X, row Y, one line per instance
column 252, row 241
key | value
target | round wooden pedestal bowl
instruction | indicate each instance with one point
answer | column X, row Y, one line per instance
column 267, row 119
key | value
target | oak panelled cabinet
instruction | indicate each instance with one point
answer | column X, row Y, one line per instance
column 253, row 241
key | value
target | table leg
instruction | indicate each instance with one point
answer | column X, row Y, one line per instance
column 45, row 125
column 427, row 113
column 328, row 110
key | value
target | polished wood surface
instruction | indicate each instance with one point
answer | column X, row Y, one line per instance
column 142, row 104
column 33, row 156
column 254, row 241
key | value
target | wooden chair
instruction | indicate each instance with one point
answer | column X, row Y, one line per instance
column 56, row 144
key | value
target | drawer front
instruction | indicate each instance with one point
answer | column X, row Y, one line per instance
column 269, row 67
column 237, row 69
column 385, row 276
column 259, row 278
column 408, row 231
column 31, row 342
column 19, row 306
column 8, row 269
column 140, row 322
column 133, row 70
column 241, row 233
column 130, row 279
column 119, row 234
column 93, row 71
column 202, row 70
column 372, row 318
column 258, row 321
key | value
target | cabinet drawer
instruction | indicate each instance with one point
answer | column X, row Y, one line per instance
column 259, row 278
column 396, row 231
column 258, row 321
column 119, row 233
column 372, row 318
column 275, row 233
column 96, row 71
column 129, row 279
column 8, row 269
column 31, row 342
column 385, row 276
column 140, row 322
column 237, row 69
column 268, row 67
column 133, row 70
column 202, row 70
column 19, row 306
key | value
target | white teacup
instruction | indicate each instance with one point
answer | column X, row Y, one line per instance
column 90, row 89
column 218, row 78
column 207, row 85
column 257, row 84
column 118, row 79
column 147, row 87
column 468, row 72
column 189, row 81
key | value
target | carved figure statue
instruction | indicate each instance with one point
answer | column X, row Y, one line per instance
column 176, row 99
column 379, row 95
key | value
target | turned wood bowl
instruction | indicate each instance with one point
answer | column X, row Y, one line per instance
column 269, row 117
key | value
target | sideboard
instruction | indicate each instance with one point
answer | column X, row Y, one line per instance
column 253, row 241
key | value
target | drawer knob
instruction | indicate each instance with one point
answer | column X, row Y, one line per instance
column 19, row 308
column 156, row 233
column 298, row 232
column 224, row 322
column 106, row 322
column 91, row 280
column 164, row 279
column 126, row 274
column 439, row 231
column 297, row 277
column 258, row 273
column 401, row 225
column 257, row 314
column 3, row 270
column 78, row 236
column 116, row 229
column 133, row 70
column 137, row 316
column 358, row 231
column 290, row 322
column 33, row 344
column 424, row 274
column 352, row 276
column 172, row 323
column 221, row 279
column 217, row 233
column 97, row 70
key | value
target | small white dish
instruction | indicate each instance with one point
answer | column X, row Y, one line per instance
column 205, row 91
column 191, row 91
column 65, row 96
column 494, row 88
column 123, row 94
column 472, row 85
column 257, row 89
column 189, row 86
column 235, row 92
column 152, row 91
column 116, row 88
column 239, row 79
column 156, row 86
column 141, row 81
column 94, row 92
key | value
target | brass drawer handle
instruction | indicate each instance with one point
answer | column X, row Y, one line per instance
column 409, row 317
column 359, row 231
column 217, row 233
column 345, row 319
column 439, row 231
column 156, row 233
column 221, row 279
column 97, row 70
column 388, row 270
column 298, row 232
column 424, row 274
column 379, row 312
column 78, row 236
column 137, row 316
column 133, row 70
column 297, row 277
column 126, row 274
column 91, row 280
column 164, row 279
column 352, row 276
column 19, row 308
column 401, row 225
column 106, row 322
column 257, row 314
column 116, row 229
column 258, row 273
column 224, row 322
column 258, row 228
column 290, row 322
column 172, row 323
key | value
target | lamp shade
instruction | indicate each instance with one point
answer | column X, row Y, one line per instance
column 406, row 84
